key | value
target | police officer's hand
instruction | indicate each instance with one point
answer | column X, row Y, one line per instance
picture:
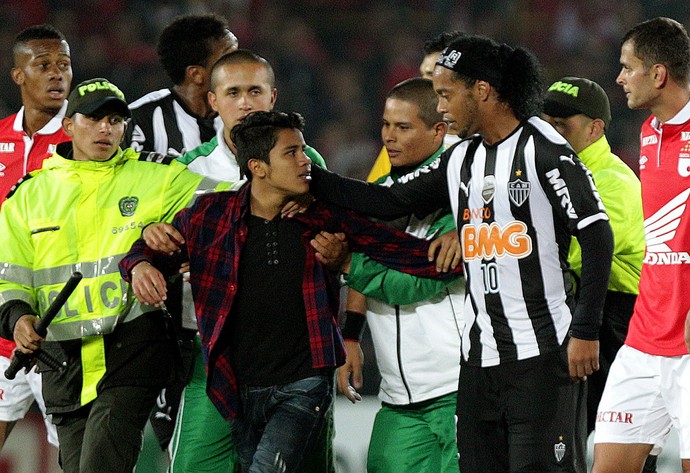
column 148, row 284
column 163, row 237
column 583, row 358
column 448, row 248
column 25, row 335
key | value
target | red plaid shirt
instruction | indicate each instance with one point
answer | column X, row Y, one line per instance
column 215, row 230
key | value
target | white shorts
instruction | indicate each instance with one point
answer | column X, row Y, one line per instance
column 17, row 395
column 645, row 395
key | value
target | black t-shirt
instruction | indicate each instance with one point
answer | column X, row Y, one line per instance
column 268, row 334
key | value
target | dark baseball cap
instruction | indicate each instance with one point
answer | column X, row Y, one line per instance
column 92, row 94
column 573, row 95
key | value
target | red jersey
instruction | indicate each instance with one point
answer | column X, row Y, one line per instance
column 20, row 154
column 657, row 325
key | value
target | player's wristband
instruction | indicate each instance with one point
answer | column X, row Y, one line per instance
column 354, row 325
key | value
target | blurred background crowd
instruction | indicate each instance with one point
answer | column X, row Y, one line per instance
column 335, row 59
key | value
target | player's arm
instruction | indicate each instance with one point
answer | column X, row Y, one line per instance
column 355, row 320
column 596, row 241
column 570, row 188
column 395, row 287
column 421, row 194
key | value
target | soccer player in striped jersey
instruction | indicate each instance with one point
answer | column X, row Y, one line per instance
column 647, row 391
column 180, row 118
column 518, row 193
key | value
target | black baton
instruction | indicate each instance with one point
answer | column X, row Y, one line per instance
column 24, row 360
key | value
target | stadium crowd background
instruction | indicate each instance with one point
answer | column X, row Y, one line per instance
column 335, row 59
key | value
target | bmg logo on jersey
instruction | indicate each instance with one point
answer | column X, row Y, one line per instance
column 488, row 241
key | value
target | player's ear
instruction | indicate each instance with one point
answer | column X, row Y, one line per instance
column 274, row 97
column 17, row 74
column 212, row 100
column 440, row 129
column 483, row 89
column 197, row 74
column 659, row 74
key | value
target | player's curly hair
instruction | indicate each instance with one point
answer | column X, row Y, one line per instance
column 515, row 73
column 523, row 84
column 257, row 134
column 188, row 41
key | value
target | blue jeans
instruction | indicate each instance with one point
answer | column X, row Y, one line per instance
column 277, row 424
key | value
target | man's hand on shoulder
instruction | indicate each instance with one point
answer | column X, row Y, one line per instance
column 298, row 205
column 446, row 250
column 332, row 250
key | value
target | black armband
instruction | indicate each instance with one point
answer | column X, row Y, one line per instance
column 354, row 325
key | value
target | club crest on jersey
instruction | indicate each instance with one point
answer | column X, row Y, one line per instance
column 519, row 191
column 643, row 162
column 684, row 161
column 489, row 189
column 128, row 205
column 559, row 450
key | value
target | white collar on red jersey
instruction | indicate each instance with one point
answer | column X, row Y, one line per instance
column 681, row 117
column 49, row 128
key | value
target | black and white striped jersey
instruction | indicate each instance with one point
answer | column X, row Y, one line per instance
column 161, row 122
column 516, row 204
